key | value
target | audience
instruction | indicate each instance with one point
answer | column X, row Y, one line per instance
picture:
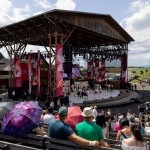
column 58, row 129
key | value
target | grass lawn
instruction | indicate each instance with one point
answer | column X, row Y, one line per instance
column 137, row 72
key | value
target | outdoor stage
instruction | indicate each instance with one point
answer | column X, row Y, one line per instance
column 92, row 96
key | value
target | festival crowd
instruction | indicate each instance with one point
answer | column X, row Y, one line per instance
column 96, row 126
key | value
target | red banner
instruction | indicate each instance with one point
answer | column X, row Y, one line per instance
column 102, row 69
column 123, row 76
column 17, row 73
column 90, row 70
column 97, row 70
column 29, row 72
column 25, row 72
column 59, row 70
column 38, row 74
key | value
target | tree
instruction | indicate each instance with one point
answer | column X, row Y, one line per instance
column 146, row 70
column 134, row 72
column 142, row 72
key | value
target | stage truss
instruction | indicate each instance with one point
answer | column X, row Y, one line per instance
column 91, row 36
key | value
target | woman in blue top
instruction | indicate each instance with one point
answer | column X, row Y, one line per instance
column 125, row 132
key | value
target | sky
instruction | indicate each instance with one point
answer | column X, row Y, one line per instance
column 132, row 15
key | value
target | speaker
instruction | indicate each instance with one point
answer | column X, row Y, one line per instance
column 68, row 59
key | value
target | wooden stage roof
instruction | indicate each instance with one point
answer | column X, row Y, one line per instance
column 82, row 29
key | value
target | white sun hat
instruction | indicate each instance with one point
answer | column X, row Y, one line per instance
column 87, row 112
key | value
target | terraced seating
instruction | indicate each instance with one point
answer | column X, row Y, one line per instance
column 12, row 146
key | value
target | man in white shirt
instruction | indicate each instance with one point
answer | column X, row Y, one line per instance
column 49, row 116
column 95, row 112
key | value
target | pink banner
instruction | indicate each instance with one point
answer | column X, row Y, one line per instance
column 102, row 69
column 123, row 76
column 29, row 72
column 38, row 74
column 90, row 70
column 25, row 72
column 17, row 73
column 97, row 70
column 59, row 70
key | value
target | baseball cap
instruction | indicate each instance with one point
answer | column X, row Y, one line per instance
column 63, row 111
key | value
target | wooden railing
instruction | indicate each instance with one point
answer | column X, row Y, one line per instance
column 35, row 142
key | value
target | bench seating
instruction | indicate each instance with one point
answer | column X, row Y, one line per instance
column 12, row 146
column 67, row 145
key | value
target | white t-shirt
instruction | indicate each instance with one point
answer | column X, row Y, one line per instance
column 147, row 131
column 47, row 118
column 128, row 147
column 94, row 113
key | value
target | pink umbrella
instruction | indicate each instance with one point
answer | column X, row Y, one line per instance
column 74, row 116
column 20, row 121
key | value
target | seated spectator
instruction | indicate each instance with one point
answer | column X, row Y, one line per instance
column 58, row 129
column 88, row 129
column 137, row 120
column 101, row 121
column 136, row 141
column 44, row 112
column 124, row 133
column 147, row 128
column 49, row 116
column 39, row 131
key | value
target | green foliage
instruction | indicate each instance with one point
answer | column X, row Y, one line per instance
column 136, row 77
column 146, row 70
column 134, row 72
column 137, row 73
column 142, row 72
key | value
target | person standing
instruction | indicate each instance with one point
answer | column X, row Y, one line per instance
column 101, row 121
column 60, row 130
column 95, row 112
column 109, row 112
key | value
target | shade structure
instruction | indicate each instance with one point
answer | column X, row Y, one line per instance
column 5, row 107
column 74, row 116
column 22, row 119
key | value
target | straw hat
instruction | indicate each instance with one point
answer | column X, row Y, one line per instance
column 87, row 112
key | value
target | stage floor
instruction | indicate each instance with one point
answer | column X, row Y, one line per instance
column 73, row 98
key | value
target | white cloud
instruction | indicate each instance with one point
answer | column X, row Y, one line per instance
column 59, row 4
column 37, row 13
column 21, row 13
column 138, row 26
column 65, row 4
column 45, row 4
column 5, row 5
column 5, row 8
column 10, row 14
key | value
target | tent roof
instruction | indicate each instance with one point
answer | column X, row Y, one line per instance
column 86, row 28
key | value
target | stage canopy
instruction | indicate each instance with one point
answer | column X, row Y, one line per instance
column 82, row 29
column 89, row 34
